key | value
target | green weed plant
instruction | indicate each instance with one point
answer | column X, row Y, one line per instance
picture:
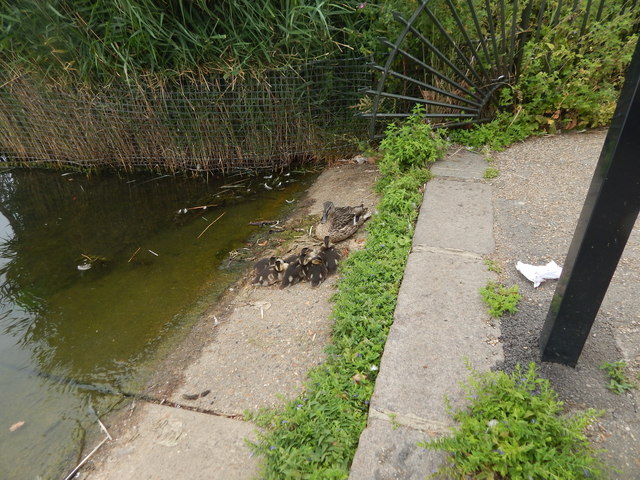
column 514, row 428
column 500, row 299
column 491, row 172
column 618, row 381
column 504, row 130
column 493, row 266
column 315, row 436
column 409, row 147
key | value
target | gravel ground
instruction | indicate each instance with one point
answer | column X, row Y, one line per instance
column 537, row 200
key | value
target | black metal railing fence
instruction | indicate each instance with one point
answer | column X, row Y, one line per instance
column 452, row 56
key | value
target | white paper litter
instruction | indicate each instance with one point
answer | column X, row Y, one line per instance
column 538, row 274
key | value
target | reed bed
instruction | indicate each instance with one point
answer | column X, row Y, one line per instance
column 266, row 121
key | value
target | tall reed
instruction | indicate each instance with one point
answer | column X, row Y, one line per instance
column 105, row 41
column 262, row 122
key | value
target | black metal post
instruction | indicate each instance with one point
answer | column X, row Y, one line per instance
column 606, row 221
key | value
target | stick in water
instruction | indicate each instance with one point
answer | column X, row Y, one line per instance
column 134, row 255
column 219, row 217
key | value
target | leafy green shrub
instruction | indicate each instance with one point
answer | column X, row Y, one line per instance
column 500, row 299
column 414, row 144
column 569, row 80
column 618, row 380
column 514, row 428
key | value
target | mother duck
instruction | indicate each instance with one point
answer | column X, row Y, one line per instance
column 339, row 223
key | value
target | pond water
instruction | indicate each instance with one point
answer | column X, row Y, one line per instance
column 98, row 274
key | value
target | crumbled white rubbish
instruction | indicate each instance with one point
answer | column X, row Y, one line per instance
column 540, row 273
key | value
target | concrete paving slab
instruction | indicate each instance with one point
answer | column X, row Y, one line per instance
column 171, row 443
column 461, row 164
column 456, row 214
column 391, row 452
column 271, row 344
column 440, row 324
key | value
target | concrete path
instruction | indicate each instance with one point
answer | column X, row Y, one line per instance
column 530, row 211
column 440, row 324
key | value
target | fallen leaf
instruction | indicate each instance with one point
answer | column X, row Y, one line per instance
column 359, row 377
column 16, row 426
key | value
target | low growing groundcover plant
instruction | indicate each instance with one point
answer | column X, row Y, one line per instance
column 515, row 428
column 315, row 436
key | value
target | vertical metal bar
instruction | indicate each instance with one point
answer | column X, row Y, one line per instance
column 600, row 8
column 524, row 27
column 496, row 60
column 543, row 7
column 604, row 226
column 583, row 29
column 556, row 16
column 503, row 39
column 465, row 34
column 480, row 34
column 512, row 43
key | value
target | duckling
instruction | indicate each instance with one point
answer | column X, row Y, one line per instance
column 330, row 255
column 295, row 272
column 273, row 273
column 262, row 269
column 316, row 270
column 260, row 265
column 339, row 223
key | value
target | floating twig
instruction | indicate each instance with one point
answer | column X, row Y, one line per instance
column 262, row 223
column 84, row 460
column 202, row 207
column 134, row 255
column 105, row 440
column 234, row 183
column 152, row 252
column 207, row 228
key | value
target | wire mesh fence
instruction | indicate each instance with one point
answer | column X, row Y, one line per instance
column 267, row 121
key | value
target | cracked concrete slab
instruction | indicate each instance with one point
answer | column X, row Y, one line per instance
column 212, row 448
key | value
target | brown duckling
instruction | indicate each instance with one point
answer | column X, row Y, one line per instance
column 330, row 255
column 260, row 265
column 273, row 273
column 315, row 270
column 295, row 271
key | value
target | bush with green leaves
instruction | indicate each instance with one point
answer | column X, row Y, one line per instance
column 410, row 146
column 570, row 80
column 515, row 428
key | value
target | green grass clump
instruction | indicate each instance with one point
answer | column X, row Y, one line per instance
column 315, row 436
column 493, row 266
column 504, row 130
column 514, row 428
column 500, row 299
column 618, row 380
column 490, row 172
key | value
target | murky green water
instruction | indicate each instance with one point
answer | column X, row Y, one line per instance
column 67, row 333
